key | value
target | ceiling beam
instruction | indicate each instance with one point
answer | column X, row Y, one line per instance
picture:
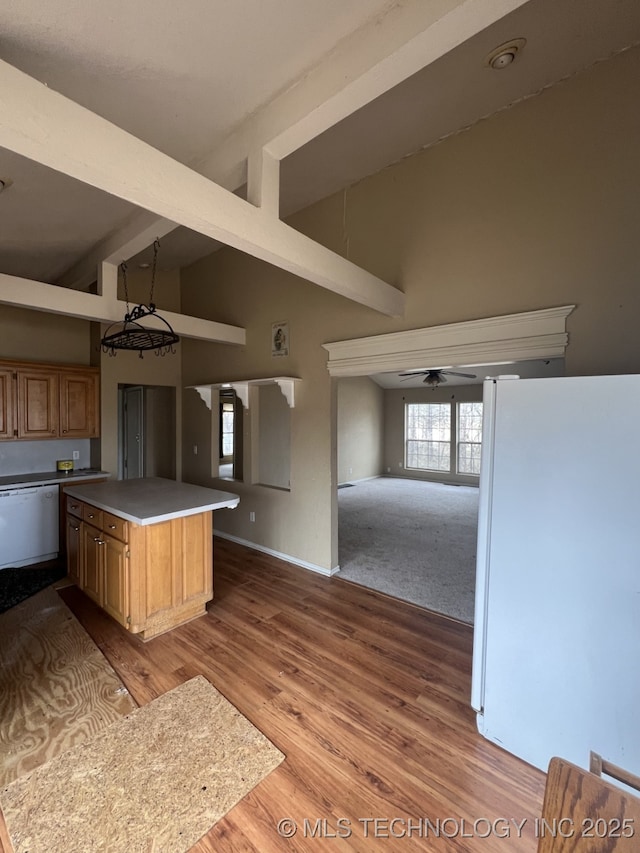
column 25, row 293
column 50, row 129
column 139, row 232
column 364, row 65
column 263, row 181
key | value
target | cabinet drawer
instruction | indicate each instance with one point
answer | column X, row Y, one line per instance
column 116, row 527
column 74, row 506
column 92, row 514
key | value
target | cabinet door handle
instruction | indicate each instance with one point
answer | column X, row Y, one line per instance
column 98, row 540
column 74, row 528
column 64, row 430
column 112, row 527
column 91, row 515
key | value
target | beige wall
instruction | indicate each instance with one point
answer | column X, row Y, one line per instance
column 272, row 433
column 360, row 428
column 394, row 403
column 534, row 207
column 37, row 336
column 160, row 431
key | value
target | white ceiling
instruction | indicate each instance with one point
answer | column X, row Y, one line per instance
column 188, row 77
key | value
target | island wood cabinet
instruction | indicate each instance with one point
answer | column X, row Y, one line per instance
column 68, row 531
column 44, row 401
column 149, row 578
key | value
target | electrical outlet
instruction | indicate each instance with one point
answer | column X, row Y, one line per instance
column 76, row 454
column 388, row 470
column 195, row 449
column 350, row 470
column 252, row 516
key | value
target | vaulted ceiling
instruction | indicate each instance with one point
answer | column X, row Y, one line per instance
column 299, row 99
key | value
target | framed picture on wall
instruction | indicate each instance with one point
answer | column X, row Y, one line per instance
column 279, row 339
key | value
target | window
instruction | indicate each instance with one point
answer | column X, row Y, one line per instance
column 227, row 429
column 428, row 436
column 443, row 437
column 469, row 437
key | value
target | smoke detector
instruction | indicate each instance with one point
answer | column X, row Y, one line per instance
column 505, row 54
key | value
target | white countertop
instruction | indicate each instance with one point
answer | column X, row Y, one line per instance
column 152, row 499
column 47, row 478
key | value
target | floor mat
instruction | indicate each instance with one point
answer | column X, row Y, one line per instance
column 18, row 584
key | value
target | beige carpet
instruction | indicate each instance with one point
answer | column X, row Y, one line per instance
column 56, row 688
column 411, row 539
column 157, row 780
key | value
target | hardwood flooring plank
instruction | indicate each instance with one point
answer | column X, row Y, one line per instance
column 367, row 696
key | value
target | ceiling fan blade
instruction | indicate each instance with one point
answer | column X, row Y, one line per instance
column 414, row 373
column 455, row 373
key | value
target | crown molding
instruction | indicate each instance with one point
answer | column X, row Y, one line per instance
column 511, row 337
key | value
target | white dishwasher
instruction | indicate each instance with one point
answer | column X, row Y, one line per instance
column 29, row 530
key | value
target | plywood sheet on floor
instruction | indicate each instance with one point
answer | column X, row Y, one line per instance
column 56, row 688
column 156, row 780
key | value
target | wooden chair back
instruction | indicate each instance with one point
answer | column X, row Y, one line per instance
column 583, row 813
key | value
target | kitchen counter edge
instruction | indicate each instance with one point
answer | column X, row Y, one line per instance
column 128, row 508
column 45, row 478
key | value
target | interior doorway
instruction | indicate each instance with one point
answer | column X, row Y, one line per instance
column 230, row 436
column 408, row 464
column 146, row 431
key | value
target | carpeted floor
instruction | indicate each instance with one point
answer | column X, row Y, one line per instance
column 411, row 539
column 18, row 584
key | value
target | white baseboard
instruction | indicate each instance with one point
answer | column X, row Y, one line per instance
column 312, row 567
column 362, row 479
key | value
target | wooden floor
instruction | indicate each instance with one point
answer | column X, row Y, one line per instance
column 367, row 696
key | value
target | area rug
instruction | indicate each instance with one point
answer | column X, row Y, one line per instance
column 57, row 689
column 413, row 540
column 18, row 584
column 157, row 780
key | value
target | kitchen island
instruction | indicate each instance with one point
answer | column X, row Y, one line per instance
column 143, row 549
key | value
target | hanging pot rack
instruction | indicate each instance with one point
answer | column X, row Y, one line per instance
column 130, row 333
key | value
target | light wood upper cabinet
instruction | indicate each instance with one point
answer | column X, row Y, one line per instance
column 40, row 401
column 38, row 405
column 7, row 403
column 79, row 405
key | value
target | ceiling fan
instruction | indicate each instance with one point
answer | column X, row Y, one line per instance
column 436, row 377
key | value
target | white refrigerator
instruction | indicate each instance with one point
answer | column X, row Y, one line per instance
column 556, row 657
